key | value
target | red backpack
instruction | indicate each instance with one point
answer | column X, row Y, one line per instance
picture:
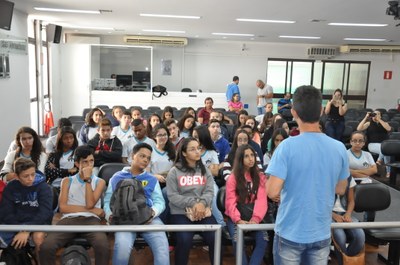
column 2, row 186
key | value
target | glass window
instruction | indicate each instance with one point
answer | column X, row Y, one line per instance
column 276, row 75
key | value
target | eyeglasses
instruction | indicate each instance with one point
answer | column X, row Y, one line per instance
column 357, row 141
column 161, row 135
column 198, row 149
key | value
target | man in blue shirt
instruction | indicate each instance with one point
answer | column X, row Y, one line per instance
column 284, row 103
column 232, row 88
column 305, row 173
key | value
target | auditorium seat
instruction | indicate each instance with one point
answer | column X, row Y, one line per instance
column 107, row 170
column 372, row 197
column 391, row 148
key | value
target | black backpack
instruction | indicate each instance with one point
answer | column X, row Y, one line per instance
column 128, row 203
column 162, row 90
column 22, row 256
column 75, row 255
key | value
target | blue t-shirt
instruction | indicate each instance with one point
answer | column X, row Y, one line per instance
column 232, row 89
column 311, row 164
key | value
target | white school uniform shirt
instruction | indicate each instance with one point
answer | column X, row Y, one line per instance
column 160, row 162
column 122, row 135
column 364, row 161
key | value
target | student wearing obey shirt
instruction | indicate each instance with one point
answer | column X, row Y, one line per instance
column 190, row 185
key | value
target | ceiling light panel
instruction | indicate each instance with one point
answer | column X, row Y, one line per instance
column 265, row 20
column 232, row 34
column 363, row 39
column 169, row 16
column 300, row 37
column 163, row 31
column 61, row 10
column 357, row 24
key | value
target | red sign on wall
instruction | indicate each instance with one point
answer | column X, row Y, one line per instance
column 387, row 75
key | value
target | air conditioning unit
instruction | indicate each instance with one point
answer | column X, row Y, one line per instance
column 321, row 52
column 155, row 40
column 369, row 49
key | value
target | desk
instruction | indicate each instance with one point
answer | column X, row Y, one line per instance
column 146, row 99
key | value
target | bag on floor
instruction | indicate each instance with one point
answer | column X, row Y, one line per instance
column 12, row 256
column 75, row 255
column 359, row 259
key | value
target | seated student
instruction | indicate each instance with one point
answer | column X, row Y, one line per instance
column 168, row 113
column 253, row 124
column 268, row 133
column 184, row 193
column 268, row 109
column 139, row 136
column 60, row 163
column 284, row 103
column 247, row 185
column 279, row 124
column 235, row 105
column 361, row 163
column 27, row 200
column 253, row 144
column 107, row 149
column 349, row 241
column 241, row 138
column 152, row 121
column 217, row 115
column 265, row 123
column 278, row 136
column 186, row 125
column 204, row 113
column 221, row 144
column 89, row 129
column 123, row 131
column 29, row 146
column 174, row 134
column 115, row 116
column 241, row 119
column 124, row 241
column 80, row 204
column 52, row 140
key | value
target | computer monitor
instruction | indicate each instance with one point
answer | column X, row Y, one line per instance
column 124, row 80
column 6, row 13
column 141, row 76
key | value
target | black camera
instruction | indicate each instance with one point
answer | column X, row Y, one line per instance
column 373, row 114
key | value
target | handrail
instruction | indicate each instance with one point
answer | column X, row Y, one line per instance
column 123, row 228
column 258, row 227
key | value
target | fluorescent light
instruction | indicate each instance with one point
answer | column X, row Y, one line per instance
column 86, row 27
column 265, row 20
column 299, row 37
column 357, row 24
column 233, row 34
column 67, row 10
column 361, row 39
column 169, row 16
column 163, row 31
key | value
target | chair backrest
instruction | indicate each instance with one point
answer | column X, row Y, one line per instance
column 106, row 171
column 370, row 197
column 186, row 89
column 221, row 199
column 394, row 135
column 390, row 147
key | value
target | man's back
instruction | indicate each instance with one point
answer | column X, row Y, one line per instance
column 310, row 165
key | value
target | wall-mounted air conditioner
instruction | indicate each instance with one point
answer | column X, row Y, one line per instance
column 369, row 49
column 321, row 52
column 156, row 40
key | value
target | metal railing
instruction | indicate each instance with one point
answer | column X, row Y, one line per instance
column 123, row 228
column 261, row 227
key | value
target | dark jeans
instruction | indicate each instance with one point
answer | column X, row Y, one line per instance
column 56, row 240
column 184, row 240
column 334, row 129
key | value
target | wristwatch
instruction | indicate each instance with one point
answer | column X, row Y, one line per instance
column 89, row 180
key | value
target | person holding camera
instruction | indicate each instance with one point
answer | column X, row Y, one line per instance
column 377, row 130
column 335, row 110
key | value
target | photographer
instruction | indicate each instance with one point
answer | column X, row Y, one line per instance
column 377, row 131
column 335, row 110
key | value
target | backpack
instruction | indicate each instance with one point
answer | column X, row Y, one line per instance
column 159, row 89
column 75, row 255
column 2, row 186
column 12, row 256
column 128, row 203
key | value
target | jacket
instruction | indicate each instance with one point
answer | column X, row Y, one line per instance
column 110, row 150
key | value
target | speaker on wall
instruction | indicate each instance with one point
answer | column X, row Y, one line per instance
column 53, row 33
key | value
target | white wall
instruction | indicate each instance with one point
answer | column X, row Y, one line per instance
column 14, row 91
column 209, row 65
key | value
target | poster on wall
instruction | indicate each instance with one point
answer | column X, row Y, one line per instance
column 166, row 67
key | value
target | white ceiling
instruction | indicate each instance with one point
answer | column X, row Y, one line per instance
column 220, row 16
